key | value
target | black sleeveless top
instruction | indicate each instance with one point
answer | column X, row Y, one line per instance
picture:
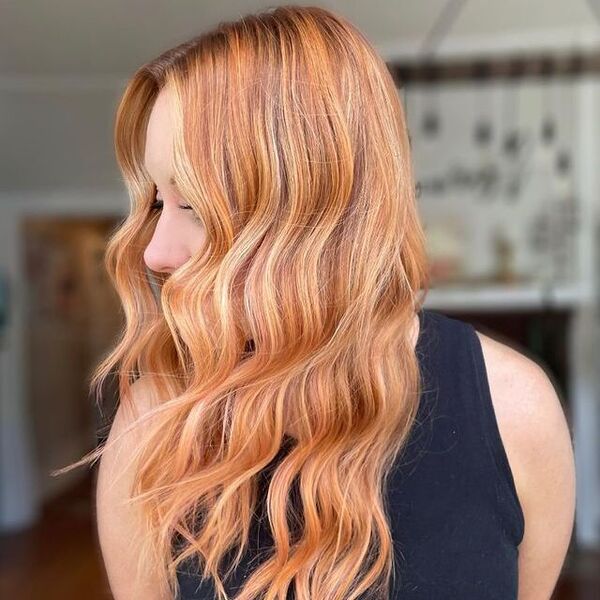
column 454, row 512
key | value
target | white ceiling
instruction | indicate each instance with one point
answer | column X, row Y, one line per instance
column 113, row 37
column 63, row 63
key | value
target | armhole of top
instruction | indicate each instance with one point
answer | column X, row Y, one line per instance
column 492, row 434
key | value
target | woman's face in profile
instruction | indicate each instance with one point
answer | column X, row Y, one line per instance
column 178, row 233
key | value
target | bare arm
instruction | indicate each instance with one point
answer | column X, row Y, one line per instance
column 540, row 450
column 549, row 492
column 118, row 530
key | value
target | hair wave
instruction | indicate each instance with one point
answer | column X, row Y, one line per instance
column 292, row 146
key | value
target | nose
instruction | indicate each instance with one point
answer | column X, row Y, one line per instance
column 164, row 255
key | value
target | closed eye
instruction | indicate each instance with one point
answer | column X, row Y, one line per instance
column 158, row 205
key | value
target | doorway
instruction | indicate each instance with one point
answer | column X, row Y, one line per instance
column 73, row 316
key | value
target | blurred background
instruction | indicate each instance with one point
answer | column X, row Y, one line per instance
column 503, row 109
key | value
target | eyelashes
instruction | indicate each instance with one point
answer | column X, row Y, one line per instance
column 157, row 205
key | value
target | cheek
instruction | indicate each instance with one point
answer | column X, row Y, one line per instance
column 195, row 238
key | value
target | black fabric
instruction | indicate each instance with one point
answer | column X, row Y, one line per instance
column 105, row 409
column 454, row 513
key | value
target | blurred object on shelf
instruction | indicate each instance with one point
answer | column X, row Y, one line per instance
column 445, row 246
column 555, row 227
column 486, row 283
column 504, row 254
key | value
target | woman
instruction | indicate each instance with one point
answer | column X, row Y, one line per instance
column 292, row 422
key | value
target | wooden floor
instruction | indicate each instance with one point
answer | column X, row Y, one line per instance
column 59, row 559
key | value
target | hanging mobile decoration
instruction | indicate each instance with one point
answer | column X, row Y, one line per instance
column 487, row 175
column 544, row 227
column 482, row 133
column 513, row 139
column 430, row 122
column 442, row 24
column 566, row 205
column 549, row 127
column 567, row 219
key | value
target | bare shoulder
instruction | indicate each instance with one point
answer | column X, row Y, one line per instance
column 141, row 400
column 537, row 439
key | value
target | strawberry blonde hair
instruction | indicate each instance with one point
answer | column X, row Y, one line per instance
column 292, row 147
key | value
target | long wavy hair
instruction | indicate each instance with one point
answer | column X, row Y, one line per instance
column 292, row 147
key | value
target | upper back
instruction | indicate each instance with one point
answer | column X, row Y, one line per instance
column 455, row 516
column 454, row 506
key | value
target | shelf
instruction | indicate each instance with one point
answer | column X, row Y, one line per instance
column 503, row 297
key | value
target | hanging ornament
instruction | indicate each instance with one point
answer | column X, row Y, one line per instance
column 482, row 132
column 430, row 122
column 549, row 124
column 513, row 138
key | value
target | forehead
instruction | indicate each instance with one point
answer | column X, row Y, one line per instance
column 159, row 137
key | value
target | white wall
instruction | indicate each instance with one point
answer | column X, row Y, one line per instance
column 20, row 494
